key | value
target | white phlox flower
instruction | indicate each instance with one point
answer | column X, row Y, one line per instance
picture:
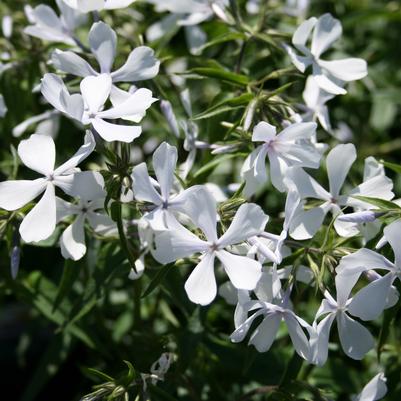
column 141, row 63
column 161, row 193
column 306, row 222
column 178, row 242
column 329, row 75
column 39, row 153
column 48, row 26
column 273, row 311
column 291, row 147
column 86, row 6
column 87, row 107
column 355, row 339
column 88, row 208
column 379, row 294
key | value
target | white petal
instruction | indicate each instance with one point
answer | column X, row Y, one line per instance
column 320, row 343
column 72, row 241
column 142, row 186
column 201, row 284
column 298, row 336
column 338, row 163
column 327, row 31
column 82, row 153
column 15, row 194
column 300, row 62
column 140, row 65
column 374, row 390
column 164, row 163
column 101, row 223
column 95, row 91
column 361, row 260
column 38, row 152
column 204, row 217
column 306, row 223
column 265, row 334
column 114, row 4
column 369, row 302
column 263, row 132
column 328, row 84
column 40, row 222
column 88, row 185
column 348, row 69
column 307, row 186
column 243, row 272
column 103, row 43
column 355, row 339
column 134, row 107
column 51, row 87
column 278, row 169
column 375, row 187
column 177, row 243
column 240, row 333
column 302, row 33
column 113, row 132
column 71, row 63
column 249, row 220
column 65, row 209
column 297, row 131
column 393, row 234
column 253, row 170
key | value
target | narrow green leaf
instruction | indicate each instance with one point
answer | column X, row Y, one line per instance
column 226, row 37
column 157, row 279
column 220, row 74
column 380, row 203
column 392, row 166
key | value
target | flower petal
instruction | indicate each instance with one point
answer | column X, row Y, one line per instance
column 142, row 186
column 265, row 334
column 320, row 343
column 164, row 164
column 201, row 285
column 393, row 234
column 298, row 336
column 71, row 63
column 338, row 163
column 15, row 194
column 38, row 153
column 72, row 241
column 297, row 131
column 302, row 33
column 306, row 223
column 95, row 91
column 140, row 65
column 249, row 220
column 103, row 43
column 348, row 69
column 307, row 186
column 113, row 132
column 40, row 222
column 263, row 132
column 369, row 302
column 355, row 339
column 243, row 272
column 176, row 243
column 327, row 31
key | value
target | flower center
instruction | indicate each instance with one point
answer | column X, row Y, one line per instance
column 214, row 247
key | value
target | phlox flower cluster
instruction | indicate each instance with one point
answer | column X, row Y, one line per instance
column 188, row 224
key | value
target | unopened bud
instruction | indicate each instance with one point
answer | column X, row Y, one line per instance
column 360, row 217
column 218, row 150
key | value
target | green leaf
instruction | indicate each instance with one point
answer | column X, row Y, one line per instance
column 220, row 74
column 213, row 164
column 392, row 166
column 70, row 274
column 160, row 275
column 225, row 105
column 226, row 37
column 380, row 203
